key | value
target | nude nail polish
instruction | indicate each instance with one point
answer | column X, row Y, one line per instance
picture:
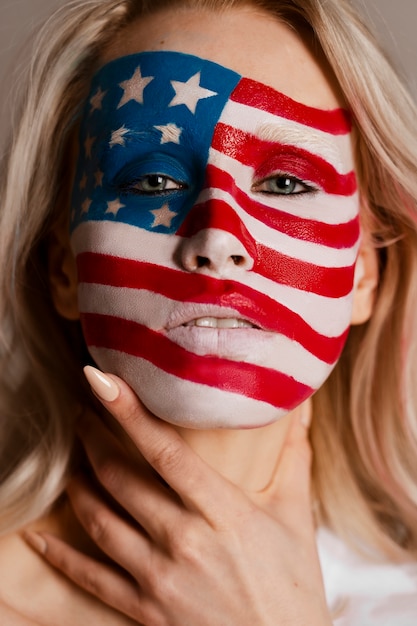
column 103, row 386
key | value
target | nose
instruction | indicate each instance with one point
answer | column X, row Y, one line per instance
column 216, row 240
column 216, row 250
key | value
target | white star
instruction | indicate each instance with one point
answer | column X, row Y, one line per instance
column 85, row 207
column 117, row 136
column 134, row 87
column 88, row 144
column 83, row 182
column 170, row 133
column 163, row 216
column 113, row 206
column 97, row 100
column 98, row 177
column 190, row 92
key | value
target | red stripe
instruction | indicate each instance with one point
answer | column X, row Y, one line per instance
column 260, row 96
column 253, row 381
column 217, row 214
column 269, row 157
column 337, row 236
column 331, row 282
column 187, row 287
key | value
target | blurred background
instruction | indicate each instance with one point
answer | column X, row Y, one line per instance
column 394, row 21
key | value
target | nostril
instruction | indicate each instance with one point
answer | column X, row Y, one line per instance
column 202, row 261
column 237, row 259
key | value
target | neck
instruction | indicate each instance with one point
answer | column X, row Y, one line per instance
column 248, row 458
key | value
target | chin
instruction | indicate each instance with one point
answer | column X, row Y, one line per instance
column 185, row 403
column 208, row 408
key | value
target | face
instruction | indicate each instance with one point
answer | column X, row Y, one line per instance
column 215, row 219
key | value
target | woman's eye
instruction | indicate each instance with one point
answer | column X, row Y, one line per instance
column 154, row 184
column 283, row 185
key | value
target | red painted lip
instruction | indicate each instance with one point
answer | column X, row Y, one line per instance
column 201, row 289
column 188, row 311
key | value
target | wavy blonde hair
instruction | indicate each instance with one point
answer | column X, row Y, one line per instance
column 364, row 432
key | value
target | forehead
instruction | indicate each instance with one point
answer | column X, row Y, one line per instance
column 248, row 40
column 171, row 103
column 171, row 112
column 192, row 91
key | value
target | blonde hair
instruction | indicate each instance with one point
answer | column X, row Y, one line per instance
column 364, row 432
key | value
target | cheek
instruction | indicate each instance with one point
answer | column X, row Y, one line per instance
column 268, row 376
column 133, row 288
column 300, row 288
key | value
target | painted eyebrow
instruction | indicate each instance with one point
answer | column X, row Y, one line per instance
column 309, row 140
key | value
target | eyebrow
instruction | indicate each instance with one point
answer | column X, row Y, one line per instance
column 264, row 157
column 260, row 96
column 309, row 140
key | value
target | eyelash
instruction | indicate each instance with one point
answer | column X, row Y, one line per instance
column 256, row 187
column 293, row 180
column 133, row 187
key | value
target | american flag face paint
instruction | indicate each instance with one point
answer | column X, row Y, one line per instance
column 215, row 227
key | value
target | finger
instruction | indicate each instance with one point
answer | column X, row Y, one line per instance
column 199, row 486
column 100, row 580
column 135, row 488
column 125, row 545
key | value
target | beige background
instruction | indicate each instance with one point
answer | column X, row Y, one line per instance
column 394, row 20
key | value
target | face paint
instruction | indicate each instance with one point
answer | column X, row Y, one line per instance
column 215, row 225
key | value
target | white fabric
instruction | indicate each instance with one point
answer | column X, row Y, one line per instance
column 365, row 592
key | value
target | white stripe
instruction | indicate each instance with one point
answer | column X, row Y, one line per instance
column 335, row 149
column 129, row 242
column 319, row 206
column 167, row 400
column 298, row 249
column 154, row 310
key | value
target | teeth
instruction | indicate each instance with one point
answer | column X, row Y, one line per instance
column 216, row 322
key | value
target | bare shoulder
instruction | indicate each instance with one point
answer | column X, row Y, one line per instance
column 34, row 594
column 15, row 577
column 9, row 617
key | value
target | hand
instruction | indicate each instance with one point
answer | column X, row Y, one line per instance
column 194, row 548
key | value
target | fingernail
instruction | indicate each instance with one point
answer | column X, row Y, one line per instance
column 36, row 541
column 102, row 385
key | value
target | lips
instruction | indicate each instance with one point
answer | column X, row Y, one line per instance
column 220, row 322
column 170, row 297
column 209, row 329
column 208, row 316
column 228, row 343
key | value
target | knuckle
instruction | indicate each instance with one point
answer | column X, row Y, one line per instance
column 187, row 544
column 62, row 561
column 168, row 590
column 168, row 457
column 156, row 583
column 164, row 587
column 96, row 525
column 160, row 583
column 130, row 411
column 155, row 618
column 89, row 581
column 108, row 472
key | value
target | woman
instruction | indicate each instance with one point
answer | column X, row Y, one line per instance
column 225, row 147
